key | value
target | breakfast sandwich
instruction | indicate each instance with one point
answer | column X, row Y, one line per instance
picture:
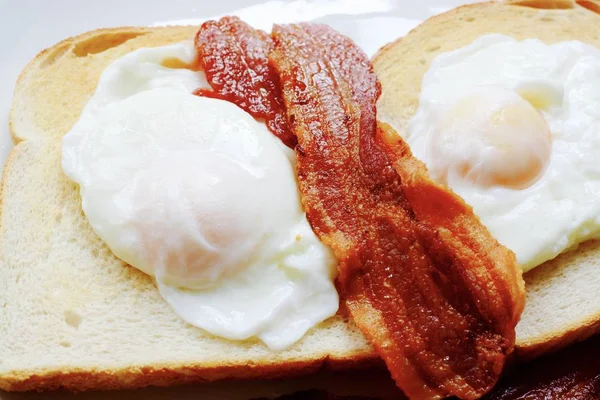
column 198, row 203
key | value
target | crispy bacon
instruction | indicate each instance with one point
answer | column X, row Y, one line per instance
column 428, row 285
column 234, row 57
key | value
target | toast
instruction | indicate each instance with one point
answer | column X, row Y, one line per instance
column 562, row 303
column 74, row 316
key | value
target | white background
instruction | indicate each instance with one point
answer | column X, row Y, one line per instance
column 29, row 26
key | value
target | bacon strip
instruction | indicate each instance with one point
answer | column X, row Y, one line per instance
column 428, row 285
column 234, row 57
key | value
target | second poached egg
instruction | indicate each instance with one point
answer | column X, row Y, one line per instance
column 513, row 127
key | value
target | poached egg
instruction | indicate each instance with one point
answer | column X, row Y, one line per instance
column 513, row 127
column 198, row 194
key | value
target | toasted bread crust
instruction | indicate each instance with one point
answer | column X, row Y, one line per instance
column 79, row 53
column 78, row 379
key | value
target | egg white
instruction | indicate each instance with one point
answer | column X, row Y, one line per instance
column 561, row 208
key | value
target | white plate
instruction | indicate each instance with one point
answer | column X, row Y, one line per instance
column 28, row 26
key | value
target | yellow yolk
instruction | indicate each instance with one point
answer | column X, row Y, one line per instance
column 491, row 137
column 540, row 95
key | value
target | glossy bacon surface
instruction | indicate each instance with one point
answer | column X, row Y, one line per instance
column 234, row 57
column 429, row 286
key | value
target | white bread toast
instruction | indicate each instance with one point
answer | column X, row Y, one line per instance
column 563, row 302
column 74, row 316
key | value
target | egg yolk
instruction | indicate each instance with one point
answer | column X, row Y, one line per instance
column 541, row 95
column 490, row 137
